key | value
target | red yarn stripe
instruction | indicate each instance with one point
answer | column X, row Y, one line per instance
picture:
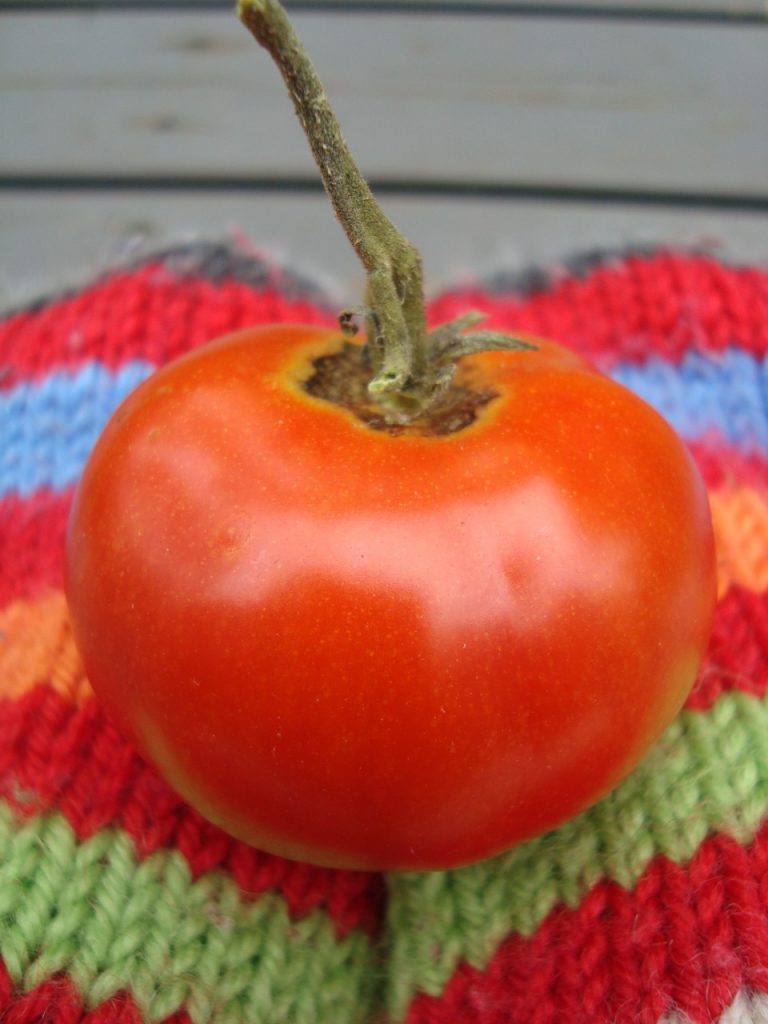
column 625, row 310
column 32, row 534
column 57, row 756
column 633, row 308
column 685, row 940
column 56, row 1001
column 147, row 314
column 721, row 465
column 737, row 656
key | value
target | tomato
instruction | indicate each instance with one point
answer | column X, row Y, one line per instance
column 379, row 649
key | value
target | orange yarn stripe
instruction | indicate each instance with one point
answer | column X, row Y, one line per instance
column 37, row 646
column 36, row 642
column 740, row 520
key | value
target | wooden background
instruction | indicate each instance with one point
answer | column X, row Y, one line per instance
column 497, row 135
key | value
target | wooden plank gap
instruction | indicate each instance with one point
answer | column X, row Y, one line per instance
column 403, row 187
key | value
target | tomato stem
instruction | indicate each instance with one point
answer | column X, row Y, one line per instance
column 411, row 368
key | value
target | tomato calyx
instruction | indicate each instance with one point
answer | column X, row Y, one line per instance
column 412, row 368
column 343, row 379
column 433, row 404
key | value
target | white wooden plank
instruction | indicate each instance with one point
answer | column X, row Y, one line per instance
column 51, row 241
column 728, row 7
column 513, row 100
column 705, row 7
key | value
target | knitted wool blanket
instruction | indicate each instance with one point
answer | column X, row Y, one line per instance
column 119, row 904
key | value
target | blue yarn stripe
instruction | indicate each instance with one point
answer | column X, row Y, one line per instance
column 48, row 428
column 726, row 394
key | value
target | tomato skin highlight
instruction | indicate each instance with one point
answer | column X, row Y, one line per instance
column 388, row 652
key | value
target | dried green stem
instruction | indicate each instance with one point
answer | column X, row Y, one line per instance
column 410, row 368
column 396, row 324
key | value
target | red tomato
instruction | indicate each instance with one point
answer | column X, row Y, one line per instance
column 388, row 652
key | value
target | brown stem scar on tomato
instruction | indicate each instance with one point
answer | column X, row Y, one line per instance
column 343, row 377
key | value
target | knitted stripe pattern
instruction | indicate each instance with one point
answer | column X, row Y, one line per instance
column 119, row 904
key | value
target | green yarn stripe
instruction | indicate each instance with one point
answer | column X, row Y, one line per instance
column 707, row 773
column 93, row 911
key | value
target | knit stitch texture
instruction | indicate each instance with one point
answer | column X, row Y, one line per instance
column 119, row 904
